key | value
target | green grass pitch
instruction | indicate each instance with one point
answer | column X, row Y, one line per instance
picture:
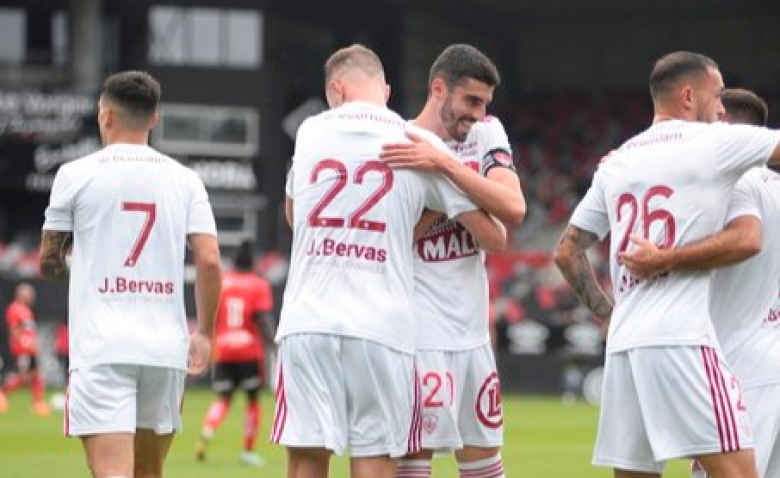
column 543, row 438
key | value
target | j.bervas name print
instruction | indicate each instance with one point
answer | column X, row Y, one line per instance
column 123, row 285
column 331, row 247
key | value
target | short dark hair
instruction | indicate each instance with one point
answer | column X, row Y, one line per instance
column 671, row 68
column 135, row 93
column 353, row 56
column 459, row 62
column 244, row 258
column 744, row 106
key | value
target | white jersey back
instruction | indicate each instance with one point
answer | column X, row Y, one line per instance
column 353, row 222
column 743, row 294
column 450, row 279
column 670, row 184
column 130, row 209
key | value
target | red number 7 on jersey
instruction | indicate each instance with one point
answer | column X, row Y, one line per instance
column 150, row 209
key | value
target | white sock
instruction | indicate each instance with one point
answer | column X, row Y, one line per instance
column 413, row 469
column 491, row 467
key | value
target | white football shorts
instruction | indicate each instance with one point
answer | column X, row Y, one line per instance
column 461, row 399
column 662, row 403
column 344, row 393
column 764, row 405
column 115, row 398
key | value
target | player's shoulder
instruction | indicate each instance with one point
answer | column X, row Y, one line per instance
column 610, row 166
column 84, row 163
column 760, row 176
column 720, row 130
column 488, row 133
column 426, row 135
column 313, row 121
column 181, row 169
column 490, row 126
column 611, row 155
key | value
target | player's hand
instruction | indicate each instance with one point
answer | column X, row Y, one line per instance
column 200, row 353
column 419, row 154
column 643, row 259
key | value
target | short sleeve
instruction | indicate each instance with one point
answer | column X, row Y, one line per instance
column 443, row 196
column 591, row 213
column 495, row 141
column 743, row 200
column 201, row 217
column 741, row 147
column 59, row 212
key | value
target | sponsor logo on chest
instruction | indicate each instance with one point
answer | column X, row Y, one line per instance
column 447, row 240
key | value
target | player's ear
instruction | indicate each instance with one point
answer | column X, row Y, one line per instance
column 438, row 87
column 107, row 116
column 334, row 93
column 387, row 92
column 155, row 119
column 687, row 95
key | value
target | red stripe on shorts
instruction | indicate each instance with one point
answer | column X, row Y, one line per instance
column 415, row 431
column 731, row 423
column 721, row 403
column 280, row 413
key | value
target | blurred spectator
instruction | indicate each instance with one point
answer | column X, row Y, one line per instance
column 23, row 341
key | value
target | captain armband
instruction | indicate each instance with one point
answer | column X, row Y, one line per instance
column 497, row 157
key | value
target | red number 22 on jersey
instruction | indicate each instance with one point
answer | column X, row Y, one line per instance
column 355, row 219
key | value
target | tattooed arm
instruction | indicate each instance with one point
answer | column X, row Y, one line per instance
column 54, row 246
column 570, row 257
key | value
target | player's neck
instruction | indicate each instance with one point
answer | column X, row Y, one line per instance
column 429, row 119
column 127, row 137
column 670, row 113
column 659, row 118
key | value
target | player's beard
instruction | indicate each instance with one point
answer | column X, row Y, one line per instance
column 457, row 127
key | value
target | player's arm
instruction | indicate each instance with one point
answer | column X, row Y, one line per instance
column 267, row 323
column 739, row 241
column 288, row 210
column 52, row 261
column 774, row 159
column 571, row 258
column 426, row 221
column 208, row 286
column 499, row 193
column 15, row 330
column 489, row 232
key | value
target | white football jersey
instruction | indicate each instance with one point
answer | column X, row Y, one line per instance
column 743, row 294
column 353, row 223
column 450, row 279
column 130, row 209
column 670, row 184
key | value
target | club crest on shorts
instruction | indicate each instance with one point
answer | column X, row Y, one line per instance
column 488, row 406
column 430, row 422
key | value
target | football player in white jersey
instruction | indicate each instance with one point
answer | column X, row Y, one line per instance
column 743, row 303
column 131, row 212
column 667, row 391
column 458, row 374
column 347, row 329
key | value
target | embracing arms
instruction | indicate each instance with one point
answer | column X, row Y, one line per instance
column 571, row 258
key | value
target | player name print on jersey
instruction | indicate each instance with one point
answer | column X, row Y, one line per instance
column 123, row 285
column 331, row 247
column 447, row 240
